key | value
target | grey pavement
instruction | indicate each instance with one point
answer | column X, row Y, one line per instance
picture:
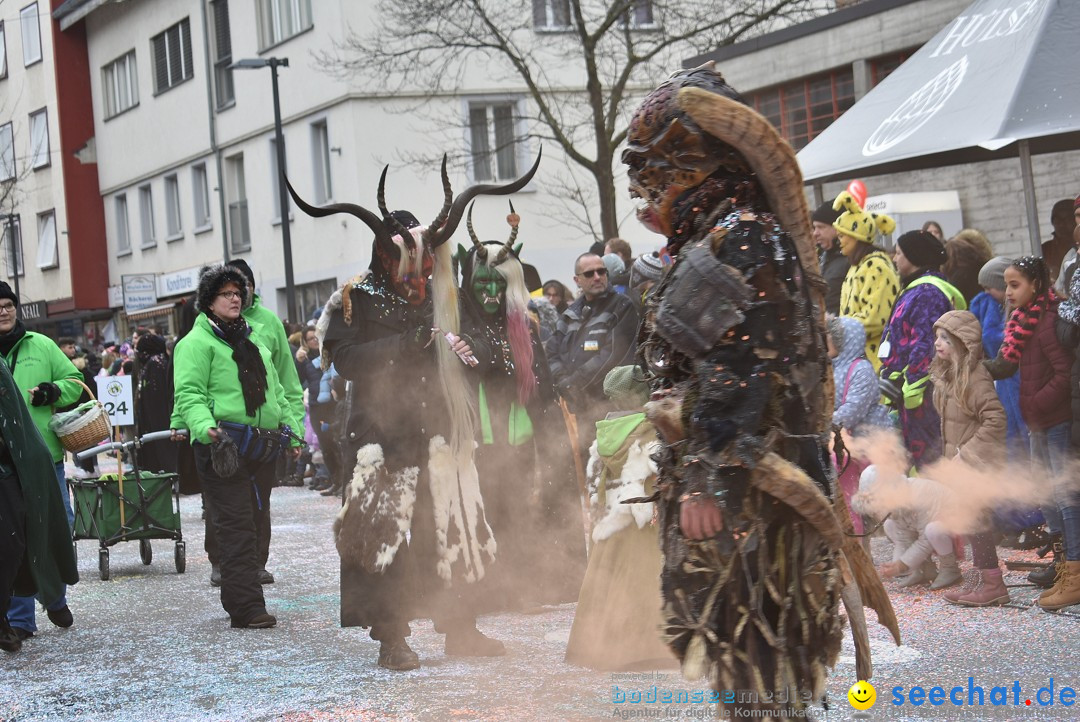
column 152, row 644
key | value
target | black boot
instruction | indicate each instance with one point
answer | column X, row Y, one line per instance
column 471, row 642
column 397, row 655
column 1045, row 577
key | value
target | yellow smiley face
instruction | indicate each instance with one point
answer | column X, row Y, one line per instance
column 862, row 695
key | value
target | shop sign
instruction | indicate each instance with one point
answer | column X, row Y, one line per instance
column 140, row 291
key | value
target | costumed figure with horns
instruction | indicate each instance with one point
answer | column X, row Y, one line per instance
column 756, row 558
column 526, row 470
column 412, row 534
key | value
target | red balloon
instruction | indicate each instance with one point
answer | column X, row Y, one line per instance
column 858, row 191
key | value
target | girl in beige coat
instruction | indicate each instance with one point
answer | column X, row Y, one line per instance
column 973, row 431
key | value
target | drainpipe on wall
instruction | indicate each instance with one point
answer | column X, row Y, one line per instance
column 212, row 119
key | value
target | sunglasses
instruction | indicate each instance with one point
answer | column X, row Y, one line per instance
column 594, row 272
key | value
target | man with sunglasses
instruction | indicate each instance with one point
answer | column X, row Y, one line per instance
column 595, row 334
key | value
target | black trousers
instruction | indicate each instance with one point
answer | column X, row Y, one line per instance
column 233, row 518
column 260, row 506
column 12, row 539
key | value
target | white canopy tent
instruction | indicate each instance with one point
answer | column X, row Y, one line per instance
column 1001, row 80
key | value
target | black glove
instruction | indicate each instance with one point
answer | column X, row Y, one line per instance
column 46, row 394
column 892, row 392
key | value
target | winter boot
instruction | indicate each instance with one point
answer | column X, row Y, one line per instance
column 471, row 642
column 1045, row 577
column 396, row 654
column 1066, row 591
column 948, row 574
column 925, row 574
column 989, row 591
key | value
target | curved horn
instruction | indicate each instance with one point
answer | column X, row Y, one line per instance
column 448, row 199
column 382, row 234
column 514, row 220
column 398, row 227
column 441, row 234
column 481, row 249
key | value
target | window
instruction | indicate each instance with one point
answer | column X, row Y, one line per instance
column 3, row 52
column 13, row 252
column 39, row 139
column 279, row 20
column 146, row 216
column 309, row 296
column 48, row 255
column 320, row 151
column 223, row 76
column 275, row 180
column 236, row 193
column 173, row 226
column 172, row 56
column 880, row 68
column 551, row 14
column 200, row 191
column 7, row 152
column 31, row 34
column 802, row 109
column 120, row 84
column 639, row 16
column 123, row 237
column 493, row 137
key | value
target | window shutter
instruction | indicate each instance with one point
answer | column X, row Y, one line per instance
column 222, row 36
column 185, row 45
column 161, row 64
column 504, row 141
column 481, row 149
column 562, row 13
column 540, row 13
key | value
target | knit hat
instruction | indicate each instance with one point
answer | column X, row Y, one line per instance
column 614, row 264
column 825, row 214
column 922, row 249
column 857, row 223
column 241, row 265
column 213, row 279
column 647, row 267
column 623, row 387
column 992, row 274
column 6, row 292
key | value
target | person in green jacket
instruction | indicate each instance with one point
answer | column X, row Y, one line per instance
column 222, row 374
column 36, row 555
column 46, row 378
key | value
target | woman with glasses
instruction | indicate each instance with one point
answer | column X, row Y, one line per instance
column 224, row 378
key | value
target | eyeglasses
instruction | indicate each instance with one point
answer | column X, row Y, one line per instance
column 230, row 295
column 594, row 272
column 7, row 308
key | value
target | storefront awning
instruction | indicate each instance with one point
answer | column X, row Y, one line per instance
column 163, row 309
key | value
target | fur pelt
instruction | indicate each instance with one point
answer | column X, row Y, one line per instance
column 378, row 511
column 338, row 299
column 630, row 484
column 464, row 541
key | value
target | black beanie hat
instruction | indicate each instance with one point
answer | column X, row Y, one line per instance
column 211, row 281
column 241, row 265
column 922, row 249
column 6, row 292
column 825, row 214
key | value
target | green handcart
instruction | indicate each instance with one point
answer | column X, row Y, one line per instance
column 133, row 506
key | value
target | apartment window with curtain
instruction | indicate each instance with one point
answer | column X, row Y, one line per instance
column 31, row 34
column 13, row 250
column 123, row 234
column 173, row 226
column 120, row 85
column 551, row 14
column 236, row 196
column 200, row 191
column 7, row 152
column 48, row 254
column 320, row 161
column 222, row 44
column 39, row 139
column 494, row 140
column 146, row 216
column 279, row 20
column 172, row 56
column 3, row 52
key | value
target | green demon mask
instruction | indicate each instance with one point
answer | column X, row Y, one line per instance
column 488, row 288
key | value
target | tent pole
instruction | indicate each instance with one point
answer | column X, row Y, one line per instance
column 1029, row 199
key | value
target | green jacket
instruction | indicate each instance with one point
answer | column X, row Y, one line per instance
column 49, row 562
column 36, row 359
column 207, row 386
column 267, row 330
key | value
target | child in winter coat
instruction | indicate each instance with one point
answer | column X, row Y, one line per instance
column 972, row 431
column 857, row 407
column 1031, row 345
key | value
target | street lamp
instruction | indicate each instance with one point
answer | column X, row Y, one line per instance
column 283, row 199
column 16, row 252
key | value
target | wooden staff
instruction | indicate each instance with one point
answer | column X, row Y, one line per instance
column 575, row 447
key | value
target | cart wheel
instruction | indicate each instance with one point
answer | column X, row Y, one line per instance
column 103, row 564
column 146, row 552
column 181, row 557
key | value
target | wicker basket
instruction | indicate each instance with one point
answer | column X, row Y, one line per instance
column 84, row 427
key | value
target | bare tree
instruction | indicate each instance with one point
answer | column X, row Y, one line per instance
column 581, row 62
